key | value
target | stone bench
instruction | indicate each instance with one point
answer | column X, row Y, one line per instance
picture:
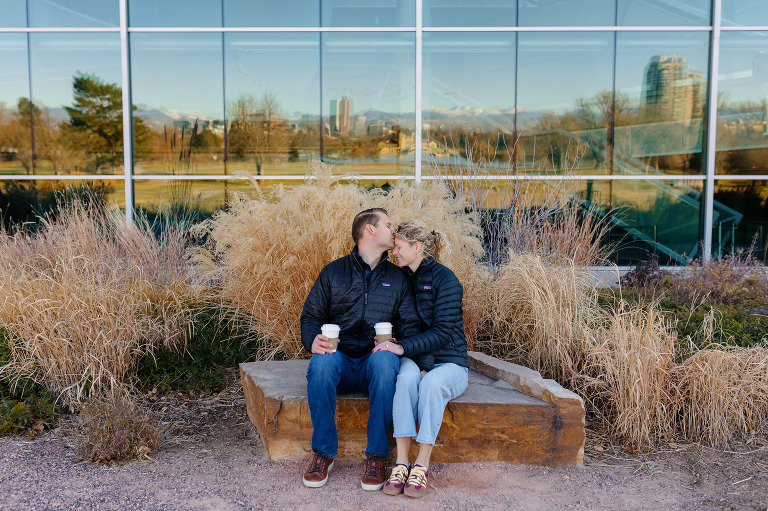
column 508, row 413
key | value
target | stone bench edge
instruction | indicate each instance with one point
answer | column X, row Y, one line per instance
column 527, row 381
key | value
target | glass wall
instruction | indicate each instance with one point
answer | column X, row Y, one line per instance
column 564, row 97
column 612, row 94
column 178, row 100
column 369, row 101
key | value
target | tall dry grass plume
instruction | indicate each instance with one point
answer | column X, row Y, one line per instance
column 265, row 252
column 88, row 295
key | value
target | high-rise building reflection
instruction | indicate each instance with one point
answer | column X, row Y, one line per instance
column 671, row 91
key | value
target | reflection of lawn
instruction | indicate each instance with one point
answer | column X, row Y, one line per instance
column 44, row 168
column 298, row 168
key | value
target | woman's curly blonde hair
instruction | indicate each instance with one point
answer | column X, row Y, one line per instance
column 433, row 243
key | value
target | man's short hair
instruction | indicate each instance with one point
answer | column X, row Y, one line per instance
column 368, row 216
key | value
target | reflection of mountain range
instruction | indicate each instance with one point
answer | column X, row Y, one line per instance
column 470, row 118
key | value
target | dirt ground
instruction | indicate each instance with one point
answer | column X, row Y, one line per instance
column 213, row 459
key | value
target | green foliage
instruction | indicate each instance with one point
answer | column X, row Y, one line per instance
column 215, row 344
column 17, row 418
column 24, row 405
column 723, row 301
column 96, row 121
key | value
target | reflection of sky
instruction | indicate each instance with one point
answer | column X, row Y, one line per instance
column 376, row 71
column 556, row 69
column 79, row 13
column 743, row 66
column 14, row 78
column 14, row 13
column 174, row 13
column 287, row 65
column 179, row 72
column 56, row 57
column 465, row 69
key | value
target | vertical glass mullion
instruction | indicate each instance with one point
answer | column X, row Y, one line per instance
column 714, row 64
column 127, row 111
column 418, row 81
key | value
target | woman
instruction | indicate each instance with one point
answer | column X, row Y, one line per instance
column 434, row 368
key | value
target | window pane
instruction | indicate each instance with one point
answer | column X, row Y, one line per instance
column 369, row 91
column 23, row 201
column 368, row 13
column 74, row 13
column 174, row 13
column 14, row 13
column 558, row 13
column 200, row 199
column 742, row 137
column 179, row 102
column 267, row 13
column 470, row 13
column 648, row 217
column 77, row 103
column 668, row 13
column 748, row 13
column 740, row 217
column 273, row 101
column 661, row 85
column 469, row 97
column 15, row 129
column 564, row 97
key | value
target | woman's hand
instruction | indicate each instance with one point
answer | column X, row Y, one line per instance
column 389, row 346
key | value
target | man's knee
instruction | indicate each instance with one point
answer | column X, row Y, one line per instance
column 324, row 368
column 383, row 367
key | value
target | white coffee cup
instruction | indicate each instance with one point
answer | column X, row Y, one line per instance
column 383, row 332
column 332, row 333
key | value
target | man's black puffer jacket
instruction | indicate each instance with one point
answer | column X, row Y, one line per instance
column 341, row 295
column 438, row 295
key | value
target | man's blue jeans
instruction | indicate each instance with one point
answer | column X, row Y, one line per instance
column 332, row 373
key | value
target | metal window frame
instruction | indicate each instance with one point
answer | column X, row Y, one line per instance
column 709, row 177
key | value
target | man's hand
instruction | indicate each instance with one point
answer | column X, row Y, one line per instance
column 389, row 346
column 321, row 345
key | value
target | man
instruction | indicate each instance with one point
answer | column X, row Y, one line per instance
column 355, row 292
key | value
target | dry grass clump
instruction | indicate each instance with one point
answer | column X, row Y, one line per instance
column 88, row 295
column 540, row 314
column 113, row 427
column 264, row 253
column 722, row 393
column 628, row 375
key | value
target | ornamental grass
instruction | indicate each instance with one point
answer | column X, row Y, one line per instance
column 86, row 296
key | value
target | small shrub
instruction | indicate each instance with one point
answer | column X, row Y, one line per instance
column 112, row 427
column 15, row 417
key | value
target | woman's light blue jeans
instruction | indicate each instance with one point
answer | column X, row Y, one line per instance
column 425, row 399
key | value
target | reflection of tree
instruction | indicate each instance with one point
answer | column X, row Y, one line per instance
column 49, row 144
column 92, row 138
column 96, row 122
column 257, row 132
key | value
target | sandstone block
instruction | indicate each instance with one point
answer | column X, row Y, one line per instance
column 491, row 421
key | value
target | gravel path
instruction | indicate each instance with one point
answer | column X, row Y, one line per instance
column 214, row 460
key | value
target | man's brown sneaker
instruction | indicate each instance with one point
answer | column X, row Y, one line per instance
column 375, row 473
column 317, row 473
